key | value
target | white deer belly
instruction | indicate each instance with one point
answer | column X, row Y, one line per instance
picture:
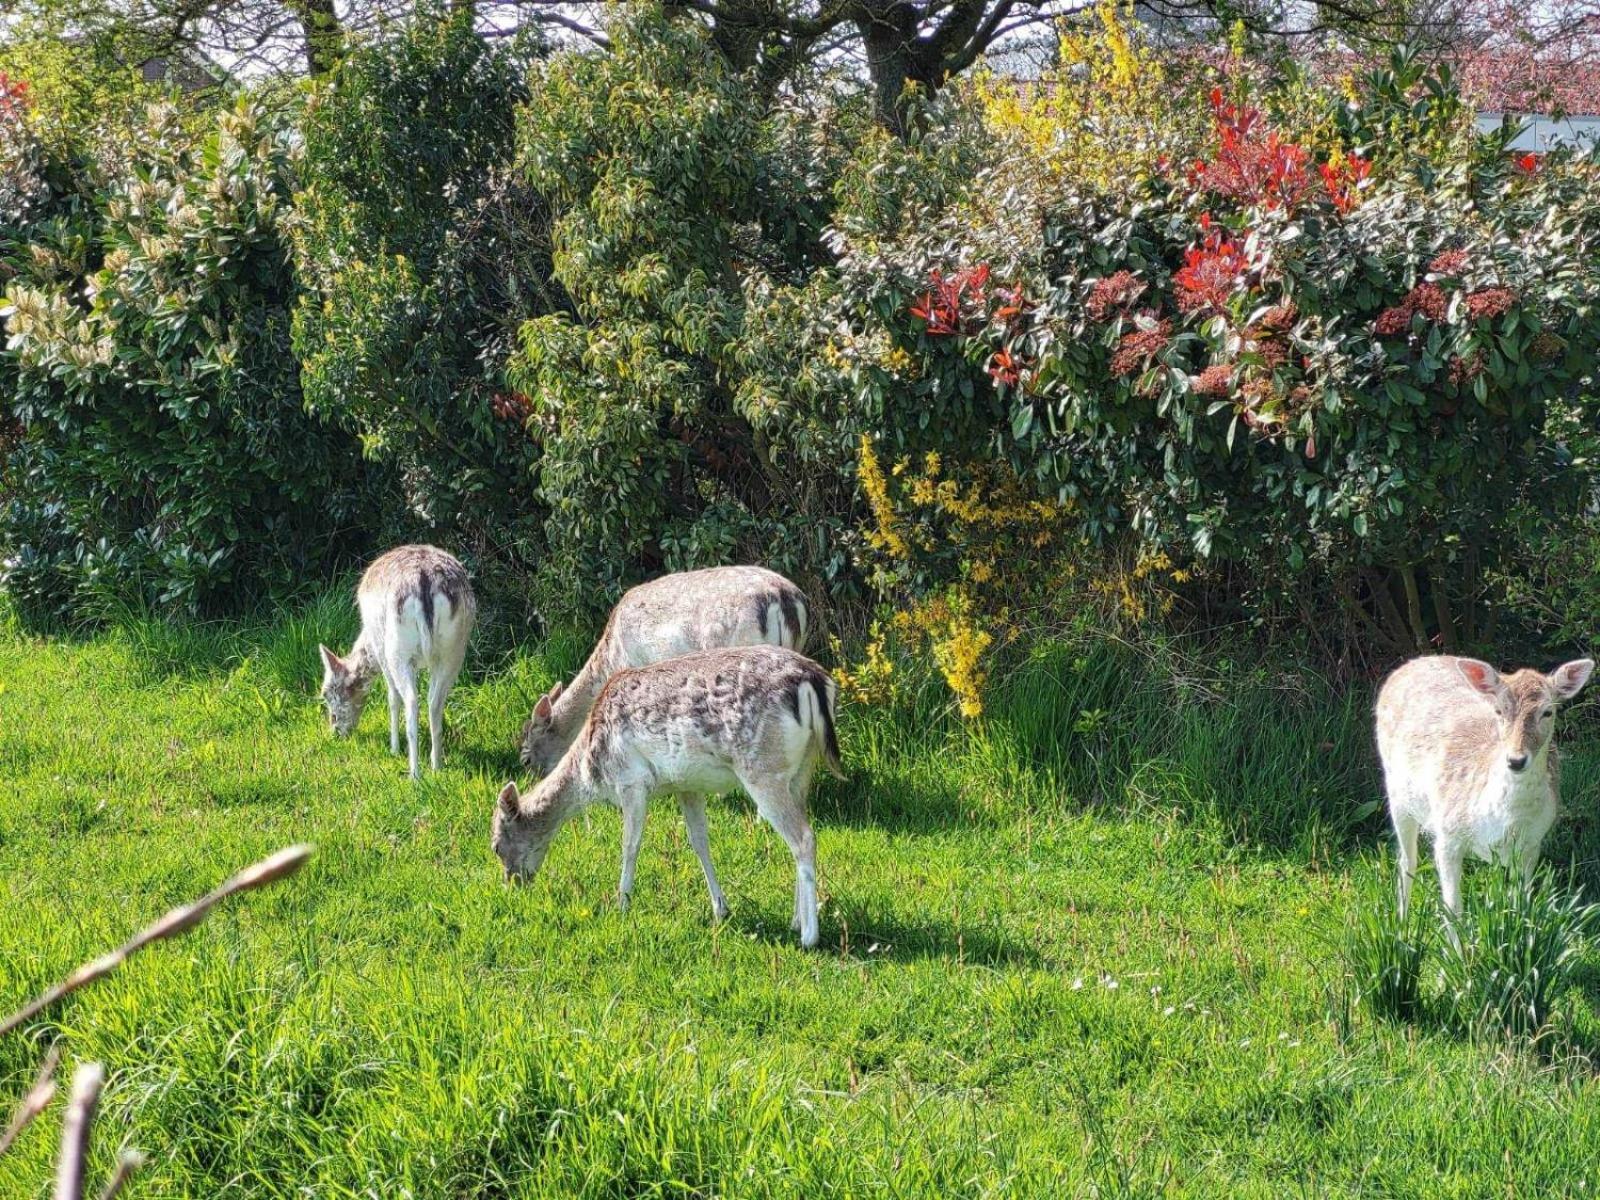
column 678, row 767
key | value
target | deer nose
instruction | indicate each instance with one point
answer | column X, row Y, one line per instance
column 1516, row 761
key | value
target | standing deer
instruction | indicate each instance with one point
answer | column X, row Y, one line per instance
column 1469, row 758
column 417, row 610
column 676, row 614
column 756, row 717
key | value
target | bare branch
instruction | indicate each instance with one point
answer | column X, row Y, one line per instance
column 36, row 1101
column 269, row 870
column 129, row 1162
column 86, row 1084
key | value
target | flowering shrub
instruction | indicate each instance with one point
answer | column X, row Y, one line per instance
column 1323, row 360
column 963, row 531
column 1340, row 370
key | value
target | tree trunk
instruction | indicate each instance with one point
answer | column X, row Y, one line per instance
column 1441, row 610
column 895, row 58
column 1395, row 625
column 323, row 33
column 1408, row 580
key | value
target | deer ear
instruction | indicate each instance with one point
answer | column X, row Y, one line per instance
column 1480, row 676
column 510, row 800
column 555, row 692
column 330, row 659
column 1569, row 678
column 541, row 710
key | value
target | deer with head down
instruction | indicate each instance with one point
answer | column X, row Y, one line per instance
column 1469, row 758
column 755, row 717
column 417, row 610
column 676, row 614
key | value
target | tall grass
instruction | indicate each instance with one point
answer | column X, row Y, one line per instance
column 1514, row 952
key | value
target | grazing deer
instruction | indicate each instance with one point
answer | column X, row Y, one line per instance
column 417, row 609
column 757, row 717
column 1469, row 758
column 677, row 614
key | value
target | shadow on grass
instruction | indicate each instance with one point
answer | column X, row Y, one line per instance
column 493, row 762
column 896, row 802
column 871, row 936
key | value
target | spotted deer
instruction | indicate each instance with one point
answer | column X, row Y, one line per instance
column 1469, row 759
column 676, row 614
column 417, row 610
column 756, row 717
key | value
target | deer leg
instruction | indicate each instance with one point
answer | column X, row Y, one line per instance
column 1448, row 861
column 694, row 820
column 1405, row 832
column 394, row 711
column 633, row 808
column 783, row 807
column 405, row 679
column 439, row 685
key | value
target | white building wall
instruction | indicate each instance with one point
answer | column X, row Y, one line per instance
column 1540, row 133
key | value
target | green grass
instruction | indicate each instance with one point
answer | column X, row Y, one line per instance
column 1095, row 950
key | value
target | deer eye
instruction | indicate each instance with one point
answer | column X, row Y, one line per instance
column 1546, row 714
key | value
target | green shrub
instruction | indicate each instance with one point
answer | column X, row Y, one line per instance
column 672, row 187
column 1315, row 367
column 418, row 254
column 165, row 457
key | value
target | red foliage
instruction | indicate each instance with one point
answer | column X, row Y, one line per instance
column 1451, row 263
column 944, row 308
column 511, row 406
column 1429, row 300
column 1210, row 273
column 1464, row 370
column 1392, row 322
column 1004, row 368
column 1253, row 170
column 1113, row 293
column 1342, row 181
column 13, row 97
column 1013, row 307
column 1278, row 319
column 1273, row 352
column 1215, row 380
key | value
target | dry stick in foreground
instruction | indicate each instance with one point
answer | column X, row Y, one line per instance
column 130, row 1162
column 86, row 1084
column 90, row 1077
column 70, row 1168
column 36, row 1101
column 268, row 870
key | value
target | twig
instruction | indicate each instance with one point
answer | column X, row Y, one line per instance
column 269, row 870
column 127, row 1164
column 86, row 1084
column 36, row 1101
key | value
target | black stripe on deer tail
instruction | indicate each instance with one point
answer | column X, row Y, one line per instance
column 791, row 606
column 424, row 595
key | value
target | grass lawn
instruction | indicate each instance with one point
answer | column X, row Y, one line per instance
column 1092, row 950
